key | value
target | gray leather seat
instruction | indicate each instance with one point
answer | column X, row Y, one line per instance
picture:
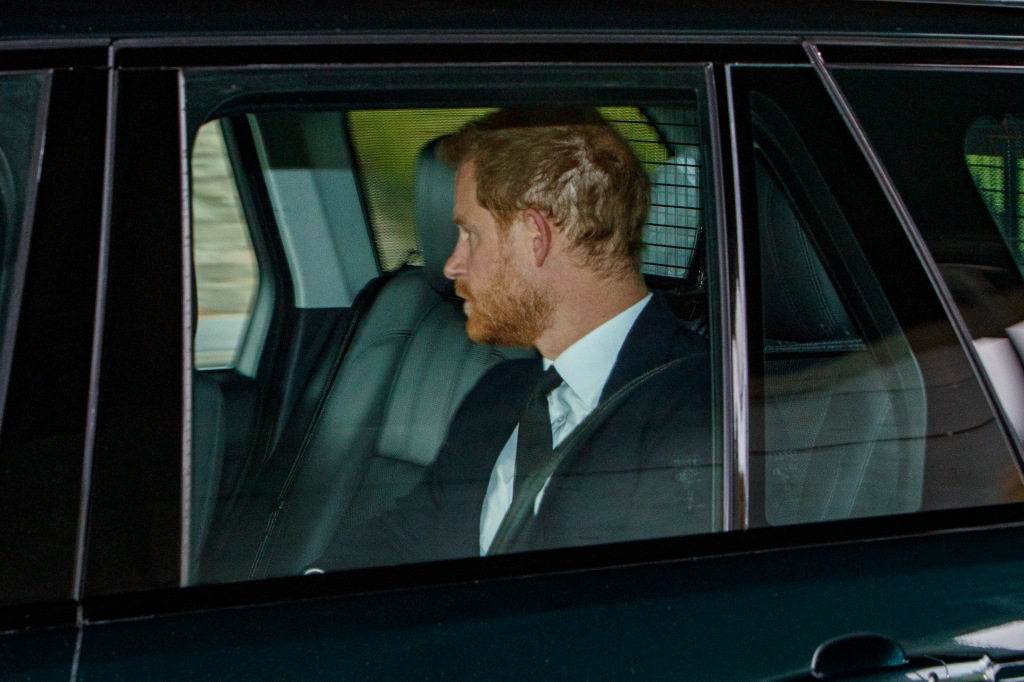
column 371, row 423
column 845, row 418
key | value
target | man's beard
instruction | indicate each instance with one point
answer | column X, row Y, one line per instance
column 507, row 311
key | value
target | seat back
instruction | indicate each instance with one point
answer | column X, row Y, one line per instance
column 844, row 416
column 368, row 425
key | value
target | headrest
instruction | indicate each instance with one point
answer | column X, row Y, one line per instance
column 435, row 198
column 800, row 303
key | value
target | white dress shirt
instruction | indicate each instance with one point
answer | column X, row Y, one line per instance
column 584, row 367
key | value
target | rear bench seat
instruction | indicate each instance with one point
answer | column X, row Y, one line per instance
column 366, row 428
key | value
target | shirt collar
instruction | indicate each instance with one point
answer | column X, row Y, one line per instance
column 586, row 364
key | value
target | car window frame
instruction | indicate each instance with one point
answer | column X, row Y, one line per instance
column 724, row 131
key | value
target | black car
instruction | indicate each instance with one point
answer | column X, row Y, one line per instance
column 226, row 334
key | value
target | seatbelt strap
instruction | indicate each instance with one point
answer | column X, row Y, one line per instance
column 520, row 514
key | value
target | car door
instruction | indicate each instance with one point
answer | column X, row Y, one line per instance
column 866, row 384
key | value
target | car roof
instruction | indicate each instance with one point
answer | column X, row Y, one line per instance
column 114, row 19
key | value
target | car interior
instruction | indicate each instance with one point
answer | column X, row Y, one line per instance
column 375, row 408
column 390, row 371
column 844, row 401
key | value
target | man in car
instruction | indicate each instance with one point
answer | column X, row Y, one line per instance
column 606, row 436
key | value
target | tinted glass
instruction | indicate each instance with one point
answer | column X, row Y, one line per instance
column 966, row 134
column 381, row 400
column 869, row 400
column 845, row 401
column 993, row 149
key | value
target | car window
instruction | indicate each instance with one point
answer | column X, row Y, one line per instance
column 867, row 397
column 992, row 147
column 966, row 133
column 862, row 396
column 226, row 273
column 368, row 361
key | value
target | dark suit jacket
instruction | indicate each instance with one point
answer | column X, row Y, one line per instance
column 646, row 472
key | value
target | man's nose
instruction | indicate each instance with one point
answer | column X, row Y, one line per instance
column 456, row 263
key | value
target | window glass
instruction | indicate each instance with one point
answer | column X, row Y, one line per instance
column 381, row 412
column 866, row 400
column 966, row 133
column 674, row 160
column 226, row 274
column 845, row 402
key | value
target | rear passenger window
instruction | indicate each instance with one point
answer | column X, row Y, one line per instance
column 362, row 380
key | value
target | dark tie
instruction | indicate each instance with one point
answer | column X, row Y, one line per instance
column 534, row 447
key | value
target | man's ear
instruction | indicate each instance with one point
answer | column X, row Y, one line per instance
column 540, row 233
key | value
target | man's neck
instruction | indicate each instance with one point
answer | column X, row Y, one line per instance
column 581, row 309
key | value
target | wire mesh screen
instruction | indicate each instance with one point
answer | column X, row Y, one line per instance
column 386, row 144
column 676, row 214
column 994, row 151
column 669, row 146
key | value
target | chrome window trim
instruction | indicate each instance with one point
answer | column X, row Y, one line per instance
column 967, row 3
column 187, row 336
column 610, row 37
column 466, row 37
column 33, row 44
column 975, row 42
column 733, row 285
